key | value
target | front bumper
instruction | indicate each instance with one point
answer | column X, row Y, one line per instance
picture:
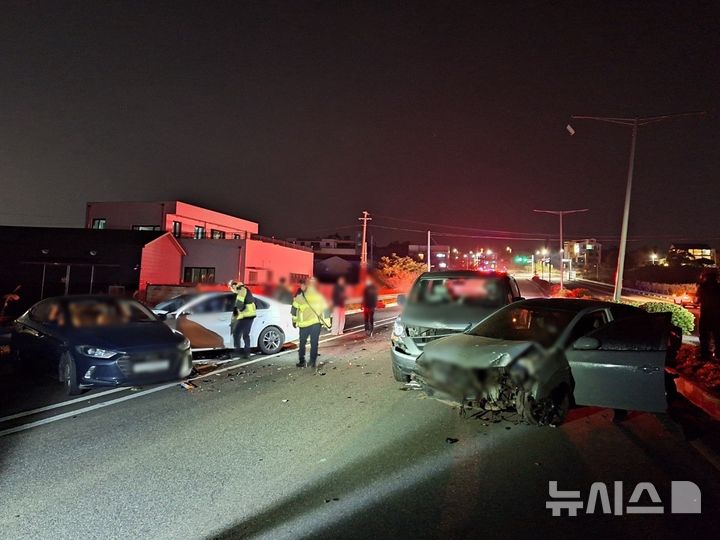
column 403, row 362
column 92, row 372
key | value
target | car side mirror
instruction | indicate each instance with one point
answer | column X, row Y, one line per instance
column 401, row 299
column 186, row 313
column 586, row 344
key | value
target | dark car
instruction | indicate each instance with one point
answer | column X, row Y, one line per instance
column 541, row 355
column 89, row 341
column 445, row 303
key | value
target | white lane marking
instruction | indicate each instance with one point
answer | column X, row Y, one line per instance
column 88, row 397
column 68, row 414
column 62, row 416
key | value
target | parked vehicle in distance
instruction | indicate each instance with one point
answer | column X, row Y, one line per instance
column 539, row 356
column 204, row 318
column 686, row 299
column 89, row 341
column 445, row 303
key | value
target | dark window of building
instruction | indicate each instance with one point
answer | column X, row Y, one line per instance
column 146, row 227
column 297, row 278
column 237, row 236
column 99, row 223
column 253, row 276
column 177, row 229
column 199, row 232
column 199, row 274
column 217, row 235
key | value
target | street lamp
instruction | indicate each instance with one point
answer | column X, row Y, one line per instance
column 634, row 123
column 561, row 213
column 653, row 258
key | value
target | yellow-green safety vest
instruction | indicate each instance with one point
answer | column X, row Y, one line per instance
column 244, row 311
column 306, row 309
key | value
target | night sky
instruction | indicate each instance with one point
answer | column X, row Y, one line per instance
column 302, row 114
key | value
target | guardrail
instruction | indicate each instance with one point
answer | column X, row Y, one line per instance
column 664, row 297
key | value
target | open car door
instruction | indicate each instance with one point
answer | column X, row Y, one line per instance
column 622, row 364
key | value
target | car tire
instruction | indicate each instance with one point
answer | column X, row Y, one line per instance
column 68, row 375
column 399, row 375
column 548, row 411
column 271, row 340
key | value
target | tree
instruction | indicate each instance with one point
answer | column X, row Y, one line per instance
column 399, row 272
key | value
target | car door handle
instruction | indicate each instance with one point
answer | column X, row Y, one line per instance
column 649, row 369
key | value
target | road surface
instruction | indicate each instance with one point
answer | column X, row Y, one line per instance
column 271, row 451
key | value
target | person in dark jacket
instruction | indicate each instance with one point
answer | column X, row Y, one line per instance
column 369, row 304
column 282, row 293
column 708, row 296
column 339, row 297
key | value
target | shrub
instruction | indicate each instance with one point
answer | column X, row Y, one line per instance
column 681, row 317
column 399, row 272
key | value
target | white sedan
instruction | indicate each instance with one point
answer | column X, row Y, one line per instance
column 205, row 318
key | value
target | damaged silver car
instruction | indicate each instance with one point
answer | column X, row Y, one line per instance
column 541, row 356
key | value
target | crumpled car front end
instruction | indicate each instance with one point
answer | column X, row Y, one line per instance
column 497, row 375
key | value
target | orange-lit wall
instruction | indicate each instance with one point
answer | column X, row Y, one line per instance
column 270, row 262
column 161, row 262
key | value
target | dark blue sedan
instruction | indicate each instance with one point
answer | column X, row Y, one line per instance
column 89, row 341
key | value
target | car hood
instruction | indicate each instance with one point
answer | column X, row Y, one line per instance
column 129, row 336
column 476, row 352
column 453, row 317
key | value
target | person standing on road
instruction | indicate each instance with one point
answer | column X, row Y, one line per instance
column 708, row 296
column 339, row 297
column 369, row 305
column 309, row 314
column 243, row 317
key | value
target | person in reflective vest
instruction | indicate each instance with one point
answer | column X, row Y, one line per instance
column 309, row 314
column 243, row 317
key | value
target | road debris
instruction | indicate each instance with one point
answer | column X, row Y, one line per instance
column 187, row 385
column 285, row 400
column 451, row 440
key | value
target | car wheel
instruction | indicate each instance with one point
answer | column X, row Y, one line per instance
column 68, row 375
column 399, row 375
column 271, row 340
column 548, row 411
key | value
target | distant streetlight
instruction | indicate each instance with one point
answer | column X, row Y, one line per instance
column 653, row 258
column 634, row 123
column 561, row 213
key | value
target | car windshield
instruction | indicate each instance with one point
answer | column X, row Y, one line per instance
column 525, row 323
column 175, row 303
column 478, row 291
column 88, row 313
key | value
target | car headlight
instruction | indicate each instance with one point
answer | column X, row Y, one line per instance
column 96, row 352
column 184, row 344
column 398, row 328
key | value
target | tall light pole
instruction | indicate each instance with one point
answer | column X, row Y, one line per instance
column 363, row 248
column 635, row 123
column 429, row 256
column 561, row 213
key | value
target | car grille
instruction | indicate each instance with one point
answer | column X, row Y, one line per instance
column 126, row 362
column 422, row 335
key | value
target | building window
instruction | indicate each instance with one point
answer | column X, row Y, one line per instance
column 146, row 227
column 297, row 278
column 237, row 236
column 199, row 274
column 217, row 235
column 253, row 276
column 177, row 229
column 99, row 223
column 199, row 232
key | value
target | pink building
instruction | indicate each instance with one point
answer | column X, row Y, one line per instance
column 211, row 247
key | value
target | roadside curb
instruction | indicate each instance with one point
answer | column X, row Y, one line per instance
column 699, row 397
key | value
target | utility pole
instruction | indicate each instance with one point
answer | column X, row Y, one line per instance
column 363, row 248
column 561, row 213
column 635, row 123
column 429, row 258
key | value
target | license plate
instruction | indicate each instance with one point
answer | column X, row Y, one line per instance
column 151, row 367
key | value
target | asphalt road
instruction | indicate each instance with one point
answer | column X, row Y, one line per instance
column 269, row 450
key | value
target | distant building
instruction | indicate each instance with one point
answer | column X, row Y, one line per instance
column 440, row 254
column 330, row 247
column 585, row 254
column 691, row 255
column 218, row 247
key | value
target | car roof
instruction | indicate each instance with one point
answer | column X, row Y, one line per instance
column 85, row 297
column 461, row 273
